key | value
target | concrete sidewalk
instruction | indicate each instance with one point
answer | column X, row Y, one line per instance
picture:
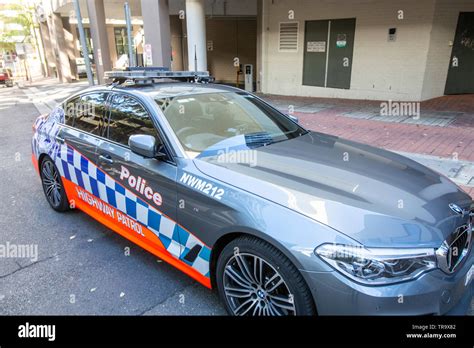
column 446, row 145
column 47, row 93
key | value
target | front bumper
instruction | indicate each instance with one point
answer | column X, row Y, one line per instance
column 434, row 293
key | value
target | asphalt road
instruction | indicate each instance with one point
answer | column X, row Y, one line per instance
column 82, row 266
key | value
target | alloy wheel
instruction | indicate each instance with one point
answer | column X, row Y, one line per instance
column 51, row 183
column 254, row 287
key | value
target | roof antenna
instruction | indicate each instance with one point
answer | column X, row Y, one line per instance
column 195, row 59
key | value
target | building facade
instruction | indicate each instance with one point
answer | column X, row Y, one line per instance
column 357, row 49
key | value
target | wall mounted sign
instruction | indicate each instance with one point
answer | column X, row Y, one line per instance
column 316, row 46
column 99, row 57
column 148, row 55
column 341, row 40
column 392, row 34
column 210, row 45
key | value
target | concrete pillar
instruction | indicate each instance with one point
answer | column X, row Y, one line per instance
column 47, row 47
column 263, row 39
column 96, row 11
column 260, row 31
column 196, row 30
column 58, row 43
column 156, row 26
column 177, row 44
column 112, row 49
column 69, row 48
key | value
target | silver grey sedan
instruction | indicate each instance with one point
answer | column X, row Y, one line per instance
column 280, row 220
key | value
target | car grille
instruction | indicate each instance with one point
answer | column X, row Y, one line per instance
column 455, row 248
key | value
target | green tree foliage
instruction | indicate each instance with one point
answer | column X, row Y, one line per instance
column 22, row 17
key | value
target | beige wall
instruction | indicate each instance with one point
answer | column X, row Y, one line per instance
column 445, row 20
column 380, row 70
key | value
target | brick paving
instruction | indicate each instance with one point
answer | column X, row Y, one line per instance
column 448, row 141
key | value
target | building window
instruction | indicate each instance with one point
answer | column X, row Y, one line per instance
column 87, row 32
column 121, row 41
column 288, row 40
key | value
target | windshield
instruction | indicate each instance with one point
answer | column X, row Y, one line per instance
column 207, row 122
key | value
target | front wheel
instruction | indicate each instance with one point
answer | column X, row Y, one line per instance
column 254, row 278
column 53, row 186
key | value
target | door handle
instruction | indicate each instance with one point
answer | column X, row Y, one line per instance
column 106, row 158
column 59, row 139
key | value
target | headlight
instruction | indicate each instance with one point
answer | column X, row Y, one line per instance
column 377, row 266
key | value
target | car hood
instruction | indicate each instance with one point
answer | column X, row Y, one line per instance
column 374, row 196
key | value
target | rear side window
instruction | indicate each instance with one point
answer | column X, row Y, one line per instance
column 69, row 108
column 128, row 117
column 87, row 112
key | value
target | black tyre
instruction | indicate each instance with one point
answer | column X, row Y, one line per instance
column 255, row 278
column 53, row 186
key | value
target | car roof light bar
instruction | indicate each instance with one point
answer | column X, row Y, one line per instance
column 141, row 75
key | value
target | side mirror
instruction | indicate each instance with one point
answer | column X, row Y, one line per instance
column 145, row 145
column 293, row 118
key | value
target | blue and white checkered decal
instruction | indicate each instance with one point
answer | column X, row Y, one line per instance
column 76, row 168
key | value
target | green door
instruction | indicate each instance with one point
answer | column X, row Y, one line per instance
column 341, row 46
column 328, row 50
column 461, row 67
column 315, row 46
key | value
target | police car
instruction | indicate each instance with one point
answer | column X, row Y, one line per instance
column 240, row 197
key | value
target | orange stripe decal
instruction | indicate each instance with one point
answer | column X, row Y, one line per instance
column 35, row 163
column 126, row 227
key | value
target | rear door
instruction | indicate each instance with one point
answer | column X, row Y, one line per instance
column 84, row 120
column 143, row 190
column 341, row 47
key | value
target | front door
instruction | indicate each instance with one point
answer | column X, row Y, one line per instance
column 461, row 67
column 143, row 190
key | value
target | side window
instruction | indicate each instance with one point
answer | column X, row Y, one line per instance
column 89, row 113
column 69, row 108
column 128, row 117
